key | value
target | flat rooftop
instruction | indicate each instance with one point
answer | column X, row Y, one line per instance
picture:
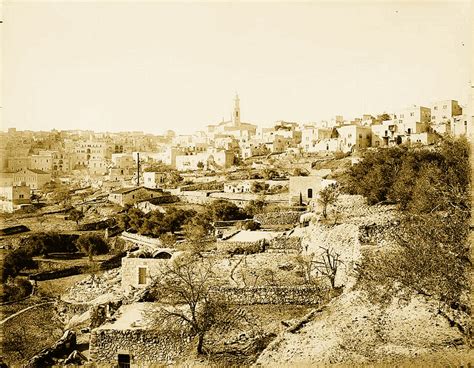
column 250, row 236
column 130, row 317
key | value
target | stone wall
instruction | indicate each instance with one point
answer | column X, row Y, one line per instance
column 377, row 233
column 236, row 247
column 203, row 186
column 278, row 218
column 301, row 295
column 145, row 347
column 284, row 243
column 50, row 275
column 130, row 271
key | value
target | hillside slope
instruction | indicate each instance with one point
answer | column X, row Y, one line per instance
column 352, row 331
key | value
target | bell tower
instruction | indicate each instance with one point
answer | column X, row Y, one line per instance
column 236, row 114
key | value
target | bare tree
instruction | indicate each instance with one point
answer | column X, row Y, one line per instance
column 184, row 288
column 328, row 264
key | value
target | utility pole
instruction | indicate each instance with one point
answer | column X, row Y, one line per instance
column 138, row 169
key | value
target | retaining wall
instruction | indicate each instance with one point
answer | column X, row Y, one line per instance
column 278, row 218
column 301, row 295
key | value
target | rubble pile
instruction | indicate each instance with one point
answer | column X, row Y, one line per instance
column 95, row 286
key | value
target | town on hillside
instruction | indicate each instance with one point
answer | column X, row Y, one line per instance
column 334, row 242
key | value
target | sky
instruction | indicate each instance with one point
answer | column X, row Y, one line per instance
column 152, row 66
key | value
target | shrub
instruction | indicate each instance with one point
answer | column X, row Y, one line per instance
column 431, row 258
column 17, row 289
column 92, row 244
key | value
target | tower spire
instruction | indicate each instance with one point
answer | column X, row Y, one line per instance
column 236, row 114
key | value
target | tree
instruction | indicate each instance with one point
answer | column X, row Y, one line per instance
column 76, row 215
column 15, row 261
column 197, row 228
column 168, row 239
column 431, row 258
column 328, row 196
column 328, row 265
column 222, row 210
column 259, row 187
column 269, row 174
column 255, row 207
column 184, row 289
column 92, row 244
column 200, row 165
column 35, row 197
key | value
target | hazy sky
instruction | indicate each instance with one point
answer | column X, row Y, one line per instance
column 154, row 66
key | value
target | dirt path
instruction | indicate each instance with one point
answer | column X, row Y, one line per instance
column 24, row 310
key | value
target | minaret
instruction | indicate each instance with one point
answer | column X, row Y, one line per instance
column 236, row 114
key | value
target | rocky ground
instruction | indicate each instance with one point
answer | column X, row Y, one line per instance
column 351, row 330
column 95, row 288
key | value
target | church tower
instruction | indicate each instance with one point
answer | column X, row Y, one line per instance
column 236, row 114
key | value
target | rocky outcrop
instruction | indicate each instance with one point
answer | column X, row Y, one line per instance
column 46, row 357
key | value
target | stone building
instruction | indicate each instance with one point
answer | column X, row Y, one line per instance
column 13, row 197
column 133, row 340
column 153, row 179
column 306, row 188
column 35, row 179
column 353, row 137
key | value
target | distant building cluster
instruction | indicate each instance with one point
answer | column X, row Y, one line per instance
column 29, row 160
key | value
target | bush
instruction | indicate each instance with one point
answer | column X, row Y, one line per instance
column 45, row 243
column 92, row 244
column 431, row 257
column 222, row 210
column 15, row 261
column 431, row 187
column 17, row 289
column 249, row 225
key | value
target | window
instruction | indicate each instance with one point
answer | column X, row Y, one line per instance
column 310, row 193
column 141, row 275
column 435, row 108
column 21, row 196
column 412, row 114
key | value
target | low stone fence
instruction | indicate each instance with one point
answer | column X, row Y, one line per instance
column 284, row 243
column 50, row 275
column 164, row 199
column 196, row 197
column 203, row 186
column 97, row 225
column 236, row 247
column 278, row 218
column 145, row 347
column 301, row 295
column 14, row 230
